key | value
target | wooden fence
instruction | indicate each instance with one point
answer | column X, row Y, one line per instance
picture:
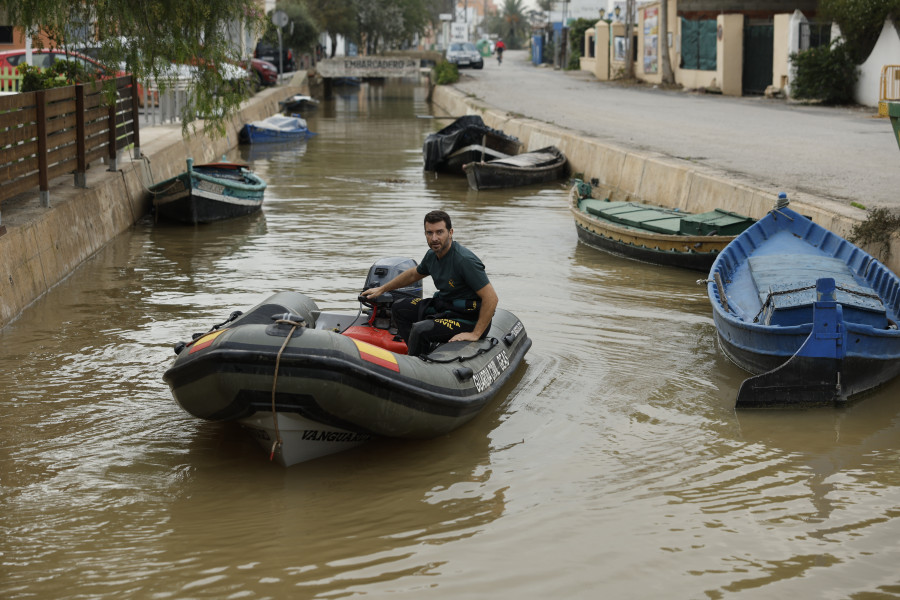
column 10, row 80
column 53, row 132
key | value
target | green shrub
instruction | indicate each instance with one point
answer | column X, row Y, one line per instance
column 445, row 73
column 825, row 73
column 876, row 231
column 60, row 74
column 576, row 42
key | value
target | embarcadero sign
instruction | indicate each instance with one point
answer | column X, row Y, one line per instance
column 368, row 66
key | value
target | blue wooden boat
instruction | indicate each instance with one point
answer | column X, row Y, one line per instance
column 814, row 316
column 277, row 128
column 208, row 192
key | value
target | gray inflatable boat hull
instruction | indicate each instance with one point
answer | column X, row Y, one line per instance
column 333, row 391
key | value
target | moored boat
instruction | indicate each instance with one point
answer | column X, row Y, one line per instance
column 894, row 115
column 308, row 383
column 652, row 233
column 465, row 140
column 298, row 103
column 208, row 192
column 538, row 166
column 812, row 315
column 277, row 128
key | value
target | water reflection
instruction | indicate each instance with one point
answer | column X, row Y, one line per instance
column 345, row 520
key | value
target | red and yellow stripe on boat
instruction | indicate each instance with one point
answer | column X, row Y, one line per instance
column 376, row 355
column 206, row 340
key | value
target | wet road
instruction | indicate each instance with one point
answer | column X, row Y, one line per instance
column 832, row 153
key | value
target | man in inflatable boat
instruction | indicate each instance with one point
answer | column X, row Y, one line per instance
column 464, row 303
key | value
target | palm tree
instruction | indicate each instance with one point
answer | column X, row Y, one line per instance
column 514, row 22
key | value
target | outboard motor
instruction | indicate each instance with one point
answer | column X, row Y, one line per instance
column 380, row 273
column 386, row 269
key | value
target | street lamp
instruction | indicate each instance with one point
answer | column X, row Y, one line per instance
column 602, row 13
column 616, row 11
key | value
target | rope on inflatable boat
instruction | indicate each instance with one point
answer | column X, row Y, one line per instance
column 294, row 325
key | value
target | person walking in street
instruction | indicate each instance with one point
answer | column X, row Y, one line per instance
column 464, row 303
column 499, row 48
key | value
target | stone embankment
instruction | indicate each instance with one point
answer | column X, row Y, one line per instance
column 43, row 246
column 631, row 174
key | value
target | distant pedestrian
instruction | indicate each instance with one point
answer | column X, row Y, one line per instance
column 499, row 48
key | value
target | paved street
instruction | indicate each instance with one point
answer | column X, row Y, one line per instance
column 841, row 154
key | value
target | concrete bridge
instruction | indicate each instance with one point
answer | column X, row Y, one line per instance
column 393, row 64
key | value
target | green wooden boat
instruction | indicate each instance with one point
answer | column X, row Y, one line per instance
column 653, row 233
column 209, row 192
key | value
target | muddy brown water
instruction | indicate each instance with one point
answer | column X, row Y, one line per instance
column 613, row 465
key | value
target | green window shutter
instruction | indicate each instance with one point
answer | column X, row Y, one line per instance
column 707, row 45
column 690, row 57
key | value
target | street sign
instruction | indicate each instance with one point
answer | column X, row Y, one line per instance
column 459, row 32
column 280, row 18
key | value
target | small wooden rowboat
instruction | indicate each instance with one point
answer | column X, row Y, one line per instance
column 298, row 103
column 813, row 315
column 538, row 166
column 209, row 192
column 652, row 233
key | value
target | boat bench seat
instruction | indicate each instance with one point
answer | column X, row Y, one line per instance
column 636, row 215
column 787, row 295
column 528, row 160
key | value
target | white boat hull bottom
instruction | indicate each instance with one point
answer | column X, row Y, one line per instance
column 301, row 439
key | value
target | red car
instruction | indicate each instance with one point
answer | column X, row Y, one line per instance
column 44, row 58
column 266, row 73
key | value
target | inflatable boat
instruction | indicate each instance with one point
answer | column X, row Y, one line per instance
column 307, row 383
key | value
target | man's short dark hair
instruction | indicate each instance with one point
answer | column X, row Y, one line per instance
column 436, row 216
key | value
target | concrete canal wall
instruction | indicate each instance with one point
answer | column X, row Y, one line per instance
column 43, row 246
column 626, row 174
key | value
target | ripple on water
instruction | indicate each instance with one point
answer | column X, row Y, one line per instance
column 614, row 455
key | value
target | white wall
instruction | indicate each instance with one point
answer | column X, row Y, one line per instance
column 793, row 45
column 886, row 52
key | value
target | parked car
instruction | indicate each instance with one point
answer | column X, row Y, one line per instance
column 269, row 53
column 266, row 73
column 464, row 54
column 44, row 58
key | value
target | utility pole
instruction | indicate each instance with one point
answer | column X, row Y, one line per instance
column 665, row 62
column 629, row 39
